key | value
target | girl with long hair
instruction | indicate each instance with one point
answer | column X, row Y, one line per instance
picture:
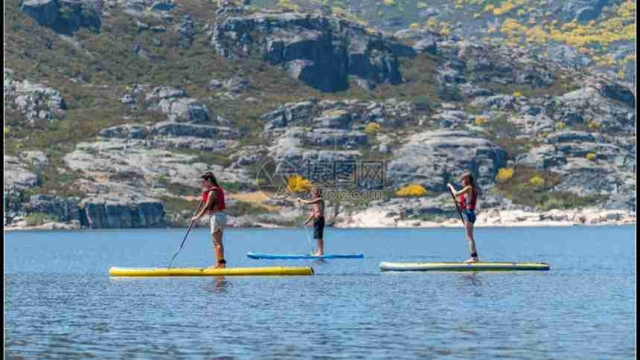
column 468, row 197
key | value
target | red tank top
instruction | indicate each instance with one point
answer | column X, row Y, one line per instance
column 219, row 201
column 469, row 203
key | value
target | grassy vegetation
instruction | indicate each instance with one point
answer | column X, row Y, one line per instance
column 176, row 205
column 36, row 218
column 505, row 134
column 560, row 86
column 524, row 188
column 246, row 208
column 420, row 79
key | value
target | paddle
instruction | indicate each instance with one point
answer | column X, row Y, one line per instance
column 309, row 238
column 185, row 236
column 306, row 230
column 456, row 203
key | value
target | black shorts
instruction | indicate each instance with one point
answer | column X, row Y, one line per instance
column 318, row 227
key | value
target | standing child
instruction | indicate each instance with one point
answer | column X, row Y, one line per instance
column 468, row 196
column 317, row 215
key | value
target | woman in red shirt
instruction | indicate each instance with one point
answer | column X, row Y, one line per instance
column 213, row 200
column 468, row 196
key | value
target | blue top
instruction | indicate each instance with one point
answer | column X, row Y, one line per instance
column 303, row 256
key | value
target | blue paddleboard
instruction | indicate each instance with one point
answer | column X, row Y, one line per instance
column 302, row 256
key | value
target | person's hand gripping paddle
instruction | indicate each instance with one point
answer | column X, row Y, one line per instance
column 449, row 187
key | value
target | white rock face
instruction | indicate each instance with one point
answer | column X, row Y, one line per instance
column 16, row 174
column 131, row 161
column 35, row 101
column 431, row 157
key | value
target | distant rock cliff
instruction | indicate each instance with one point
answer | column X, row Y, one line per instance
column 320, row 51
column 65, row 16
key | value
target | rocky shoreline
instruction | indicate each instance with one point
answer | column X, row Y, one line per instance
column 500, row 218
column 374, row 218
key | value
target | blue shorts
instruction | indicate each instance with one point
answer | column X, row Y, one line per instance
column 469, row 216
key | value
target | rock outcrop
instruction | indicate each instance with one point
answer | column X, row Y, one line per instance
column 343, row 115
column 16, row 174
column 35, row 101
column 433, row 158
column 65, row 16
column 102, row 212
column 176, row 105
column 588, row 105
column 186, row 32
column 319, row 51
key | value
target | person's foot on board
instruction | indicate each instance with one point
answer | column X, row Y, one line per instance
column 318, row 253
column 221, row 264
column 472, row 260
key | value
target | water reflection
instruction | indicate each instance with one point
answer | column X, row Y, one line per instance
column 471, row 284
column 218, row 285
column 472, row 278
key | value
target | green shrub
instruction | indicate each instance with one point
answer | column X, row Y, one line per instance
column 173, row 205
column 37, row 218
column 449, row 93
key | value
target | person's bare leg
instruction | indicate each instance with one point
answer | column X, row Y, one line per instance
column 320, row 251
column 218, row 249
column 470, row 241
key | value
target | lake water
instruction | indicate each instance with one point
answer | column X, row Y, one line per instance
column 61, row 303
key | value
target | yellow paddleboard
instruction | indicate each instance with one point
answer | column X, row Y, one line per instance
column 210, row 271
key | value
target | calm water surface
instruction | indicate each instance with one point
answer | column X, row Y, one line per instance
column 61, row 303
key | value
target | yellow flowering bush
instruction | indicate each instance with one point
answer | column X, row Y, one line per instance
column 297, row 183
column 504, row 174
column 481, row 120
column 592, row 39
column 372, row 128
column 536, row 180
column 412, row 190
column 432, row 23
column 445, row 29
column 287, row 5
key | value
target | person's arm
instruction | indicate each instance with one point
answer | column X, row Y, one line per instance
column 464, row 190
column 206, row 206
column 314, row 201
column 309, row 218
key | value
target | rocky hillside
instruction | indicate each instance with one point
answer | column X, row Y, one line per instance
column 595, row 35
column 113, row 108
